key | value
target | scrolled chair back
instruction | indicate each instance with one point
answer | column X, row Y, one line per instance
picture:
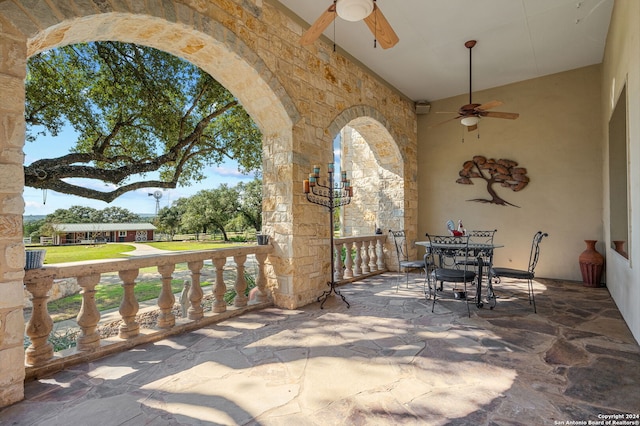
column 483, row 237
column 535, row 250
column 448, row 248
column 400, row 241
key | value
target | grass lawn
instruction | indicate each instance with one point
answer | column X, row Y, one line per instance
column 62, row 254
column 193, row 245
column 76, row 253
column 108, row 296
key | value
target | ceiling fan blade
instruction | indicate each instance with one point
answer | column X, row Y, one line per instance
column 381, row 28
column 446, row 121
column 489, row 105
column 319, row 26
column 497, row 114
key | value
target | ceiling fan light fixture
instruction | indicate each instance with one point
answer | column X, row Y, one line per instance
column 354, row 10
column 470, row 121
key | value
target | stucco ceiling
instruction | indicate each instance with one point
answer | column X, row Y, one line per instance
column 517, row 40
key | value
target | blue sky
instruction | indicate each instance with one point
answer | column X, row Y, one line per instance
column 136, row 201
column 38, row 203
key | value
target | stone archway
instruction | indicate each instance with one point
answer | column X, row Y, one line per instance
column 373, row 159
column 224, row 56
column 212, row 47
column 251, row 47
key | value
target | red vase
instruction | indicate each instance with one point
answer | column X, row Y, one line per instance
column 620, row 247
column 591, row 265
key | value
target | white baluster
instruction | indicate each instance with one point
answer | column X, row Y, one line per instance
column 220, row 288
column 88, row 317
column 129, row 306
column 166, row 300
column 261, row 281
column 357, row 267
column 40, row 324
column 241, row 283
column 348, row 262
column 365, row 257
column 380, row 255
column 373, row 267
column 195, row 311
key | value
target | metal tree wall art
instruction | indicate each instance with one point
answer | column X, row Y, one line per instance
column 502, row 171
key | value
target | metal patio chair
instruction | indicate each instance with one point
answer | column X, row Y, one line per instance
column 450, row 257
column 402, row 252
column 522, row 274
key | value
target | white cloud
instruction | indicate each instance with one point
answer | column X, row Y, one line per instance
column 228, row 171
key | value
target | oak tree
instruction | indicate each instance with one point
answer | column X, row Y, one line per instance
column 143, row 119
column 169, row 218
column 250, row 203
column 211, row 209
column 83, row 214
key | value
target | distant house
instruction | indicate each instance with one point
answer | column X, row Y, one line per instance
column 90, row 233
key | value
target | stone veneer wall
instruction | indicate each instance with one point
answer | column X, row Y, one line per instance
column 377, row 178
column 300, row 97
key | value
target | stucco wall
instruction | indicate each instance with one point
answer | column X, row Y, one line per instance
column 622, row 65
column 557, row 138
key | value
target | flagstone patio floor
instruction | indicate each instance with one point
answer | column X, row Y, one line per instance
column 386, row 360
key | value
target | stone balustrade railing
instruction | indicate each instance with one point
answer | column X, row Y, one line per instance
column 358, row 258
column 40, row 357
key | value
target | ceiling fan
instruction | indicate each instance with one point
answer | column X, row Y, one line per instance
column 354, row 10
column 470, row 113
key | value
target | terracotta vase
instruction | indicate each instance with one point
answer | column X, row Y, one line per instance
column 591, row 265
column 620, row 247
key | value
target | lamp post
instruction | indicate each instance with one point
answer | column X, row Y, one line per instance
column 329, row 195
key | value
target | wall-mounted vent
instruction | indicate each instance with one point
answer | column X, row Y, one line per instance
column 423, row 107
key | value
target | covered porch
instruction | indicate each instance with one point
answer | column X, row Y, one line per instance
column 386, row 359
column 571, row 361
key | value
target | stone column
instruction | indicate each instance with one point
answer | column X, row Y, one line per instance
column 13, row 53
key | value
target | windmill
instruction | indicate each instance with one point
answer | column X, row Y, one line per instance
column 157, row 195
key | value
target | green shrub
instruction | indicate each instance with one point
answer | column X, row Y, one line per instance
column 231, row 293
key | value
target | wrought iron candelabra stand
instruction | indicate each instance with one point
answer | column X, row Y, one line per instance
column 330, row 195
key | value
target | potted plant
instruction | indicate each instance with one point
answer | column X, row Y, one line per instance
column 34, row 258
column 263, row 239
